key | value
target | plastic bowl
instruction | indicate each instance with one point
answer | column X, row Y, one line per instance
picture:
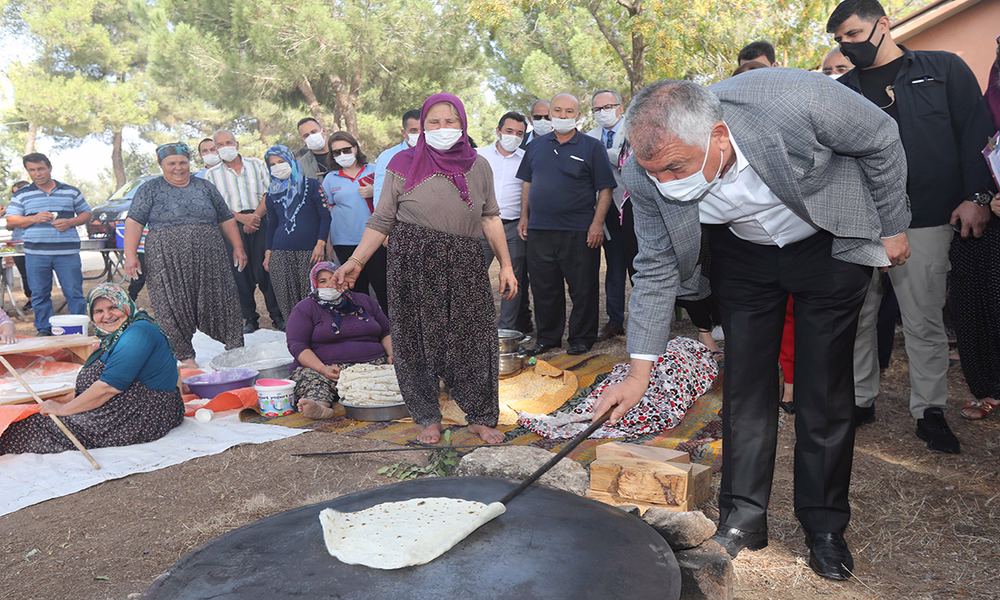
column 210, row 385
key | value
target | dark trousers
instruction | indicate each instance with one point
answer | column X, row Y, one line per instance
column 255, row 277
column 374, row 274
column 514, row 313
column 751, row 283
column 619, row 254
column 888, row 316
column 19, row 263
column 704, row 314
column 555, row 257
column 136, row 285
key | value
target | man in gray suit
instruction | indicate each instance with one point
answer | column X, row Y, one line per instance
column 799, row 187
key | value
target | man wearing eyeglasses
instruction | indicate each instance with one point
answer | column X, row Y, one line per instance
column 620, row 246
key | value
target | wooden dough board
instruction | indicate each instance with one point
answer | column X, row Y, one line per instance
column 80, row 346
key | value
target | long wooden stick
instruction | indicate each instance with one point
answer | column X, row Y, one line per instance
column 55, row 419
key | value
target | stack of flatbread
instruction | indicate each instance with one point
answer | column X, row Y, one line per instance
column 369, row 385
column 393, row 535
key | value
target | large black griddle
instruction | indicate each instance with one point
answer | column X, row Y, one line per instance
column 549, row 544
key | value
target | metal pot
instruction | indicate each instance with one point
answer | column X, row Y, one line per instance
column 549, row 544
column 271, row 360
column 509, row 340
column 511, row 363
column 390, row 412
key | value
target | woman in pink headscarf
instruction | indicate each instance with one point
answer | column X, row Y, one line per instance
column 438, row 203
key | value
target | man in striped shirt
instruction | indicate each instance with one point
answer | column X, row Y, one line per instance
column 49, row 212
column 243, row 182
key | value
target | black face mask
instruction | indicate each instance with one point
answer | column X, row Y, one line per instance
column 862, row 54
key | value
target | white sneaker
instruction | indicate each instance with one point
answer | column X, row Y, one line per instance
column 717, row 334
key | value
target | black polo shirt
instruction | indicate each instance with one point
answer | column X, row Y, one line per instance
column 565, row 179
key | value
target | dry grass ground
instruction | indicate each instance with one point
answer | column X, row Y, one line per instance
column 925, row 526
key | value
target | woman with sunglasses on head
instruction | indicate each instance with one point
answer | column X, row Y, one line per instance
column 350, row 195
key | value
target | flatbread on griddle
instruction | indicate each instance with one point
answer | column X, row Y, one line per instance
column 393, row 535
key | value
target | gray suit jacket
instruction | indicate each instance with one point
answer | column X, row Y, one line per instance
column 834, row 158
column 613, row 153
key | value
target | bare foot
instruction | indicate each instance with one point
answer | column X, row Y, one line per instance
column 787, row 396
column 488, row 434
column 314, row 410
column 430, row 434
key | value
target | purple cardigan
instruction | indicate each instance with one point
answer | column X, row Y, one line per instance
column 310, row 327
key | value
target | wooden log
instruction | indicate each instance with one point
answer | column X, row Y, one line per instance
column 614, row 500
column 643, row 480
column 699, row 485
column 612, row 450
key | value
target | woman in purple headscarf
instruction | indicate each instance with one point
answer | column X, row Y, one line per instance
column 438, row 203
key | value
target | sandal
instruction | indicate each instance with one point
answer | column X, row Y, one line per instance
column 975, row 410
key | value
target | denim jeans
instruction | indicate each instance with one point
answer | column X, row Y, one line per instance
column 70, row 272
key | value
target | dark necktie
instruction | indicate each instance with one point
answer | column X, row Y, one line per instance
column 609, row 138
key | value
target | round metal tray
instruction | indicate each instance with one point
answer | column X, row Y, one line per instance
column 549, row 544
column 389, row 412
column 271, row 360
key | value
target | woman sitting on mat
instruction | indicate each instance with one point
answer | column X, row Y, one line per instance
column 126, row 392
column 330, row 330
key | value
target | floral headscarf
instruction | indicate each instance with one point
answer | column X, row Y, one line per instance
column 289, row 193
column 121, row 300
column 339, row 308
column 165, row 150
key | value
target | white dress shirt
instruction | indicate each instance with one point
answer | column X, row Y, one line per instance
column 505, row 183
column 751, row 209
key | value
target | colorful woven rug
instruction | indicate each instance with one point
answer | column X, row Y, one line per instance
column 699, row 434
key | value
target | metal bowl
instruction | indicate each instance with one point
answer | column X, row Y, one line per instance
column 389, row 412
column 271, row 360
column 509, row 340
column 511, row 363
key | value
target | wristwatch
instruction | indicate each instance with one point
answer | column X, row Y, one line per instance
column 981, row 199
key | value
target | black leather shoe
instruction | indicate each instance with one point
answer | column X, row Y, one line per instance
column 829, row 556
column 279, row 325
column 44, row 332
column 864, row 415
column 577, row 349
column 539, row 349
column 734, row 540
column 250, row 327
column 612, row 329
column 934, row 430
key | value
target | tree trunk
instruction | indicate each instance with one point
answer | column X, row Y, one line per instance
column 315, row 108
column 637, row 75
column 30, row 138
column 117, row 162
column 345, row 104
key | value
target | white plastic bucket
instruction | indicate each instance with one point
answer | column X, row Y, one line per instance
column 69, row 324
column 275, row 397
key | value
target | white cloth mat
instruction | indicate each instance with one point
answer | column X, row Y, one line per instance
column 27, row 479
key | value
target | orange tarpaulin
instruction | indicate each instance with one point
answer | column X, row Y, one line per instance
column 15, row 413
column 241, row 398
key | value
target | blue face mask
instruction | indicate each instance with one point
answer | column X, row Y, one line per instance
column 694, row 186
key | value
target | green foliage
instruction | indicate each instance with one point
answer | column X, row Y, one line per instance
column 441, row 463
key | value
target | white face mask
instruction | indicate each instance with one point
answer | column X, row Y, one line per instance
column 541, row 127
column 834, row 75
column 691, row 188
column 211, row 159
column 345, row 160
column 411, row 139
column 228, row 153
column 563, row 125
column 510, row 143
column 606, row 118
column 315, row 141
column 281, row 170
column 328, row 294
column 442, row 139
